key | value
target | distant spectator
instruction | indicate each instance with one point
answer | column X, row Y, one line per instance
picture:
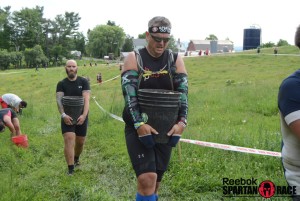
column 258, row 50
column 206, row 51
column 200, row 52
column 99, row 78
column 275, row 51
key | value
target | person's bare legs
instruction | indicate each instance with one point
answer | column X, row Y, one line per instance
column 147, row 183
column 157, row 187
column 69, row 141
column 79, row 142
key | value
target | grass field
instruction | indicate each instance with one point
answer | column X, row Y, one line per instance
column 232, row 101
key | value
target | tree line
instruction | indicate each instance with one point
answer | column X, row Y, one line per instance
column 28, row 39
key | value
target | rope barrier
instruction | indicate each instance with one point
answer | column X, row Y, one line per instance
column 232, row 148
column 110, row 114
column 106, row 80
column 205, row 144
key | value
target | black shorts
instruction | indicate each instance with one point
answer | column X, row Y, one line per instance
column 79, row 130
column 146, row 160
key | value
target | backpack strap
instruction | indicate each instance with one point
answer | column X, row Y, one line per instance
column 139, row 62
column 171, row 67
column 172, row 57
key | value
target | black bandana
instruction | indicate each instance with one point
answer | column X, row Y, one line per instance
column 160, row 29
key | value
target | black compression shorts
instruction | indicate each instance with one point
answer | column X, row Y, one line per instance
column 79, row 130
column 146, row 160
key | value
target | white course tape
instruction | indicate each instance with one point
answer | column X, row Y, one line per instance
column 211, row 144
column 110, row 114
column 233, row 148
column 106, row 80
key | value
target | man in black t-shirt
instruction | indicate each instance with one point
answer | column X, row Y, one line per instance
column 152, row 67
column 74, row 133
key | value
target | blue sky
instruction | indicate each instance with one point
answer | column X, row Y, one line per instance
column 191, row 19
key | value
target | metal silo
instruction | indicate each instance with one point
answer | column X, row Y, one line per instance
column 252, row 38
column 213, row 46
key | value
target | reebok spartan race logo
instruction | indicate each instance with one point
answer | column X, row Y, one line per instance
column 251, row 188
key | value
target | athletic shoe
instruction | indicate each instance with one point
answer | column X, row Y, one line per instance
column 77, row 163
column 70, row 172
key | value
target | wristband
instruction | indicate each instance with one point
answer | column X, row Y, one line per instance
column 182, row 123
column 63, row 115
column 138, row 124
column 147, row 140
column 174, row 140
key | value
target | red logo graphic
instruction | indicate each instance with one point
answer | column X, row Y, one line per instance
column 266, row 189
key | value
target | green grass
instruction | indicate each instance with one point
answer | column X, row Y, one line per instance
column 232, row 100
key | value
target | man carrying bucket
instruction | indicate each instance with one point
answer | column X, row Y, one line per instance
column 74, row 133
column 9, row 118
column 152, row 67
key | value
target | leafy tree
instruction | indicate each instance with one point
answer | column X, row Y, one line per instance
column 111, row 23
column 79, row 41
column 211, row 37
column 142, row 36
column 5, row 28
column 62, row 36
column 268, row 44
column 27, row 28
column 282, row 43
column 105, row 39
column 57, row 51
column 16, row 59
column 173, row 44
column 4, row 59
column 47, row 31
column 64, row 29
column 128, row 45
column 35, row 56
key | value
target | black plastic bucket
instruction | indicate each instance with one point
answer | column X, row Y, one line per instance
column 73, row 106
column 159, row 94
column 159, row 103
column 160, row 110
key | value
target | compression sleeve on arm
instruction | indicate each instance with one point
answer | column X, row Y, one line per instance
column 129, row 84
column 181, row 84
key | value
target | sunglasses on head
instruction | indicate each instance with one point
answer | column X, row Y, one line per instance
column 159, row 39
